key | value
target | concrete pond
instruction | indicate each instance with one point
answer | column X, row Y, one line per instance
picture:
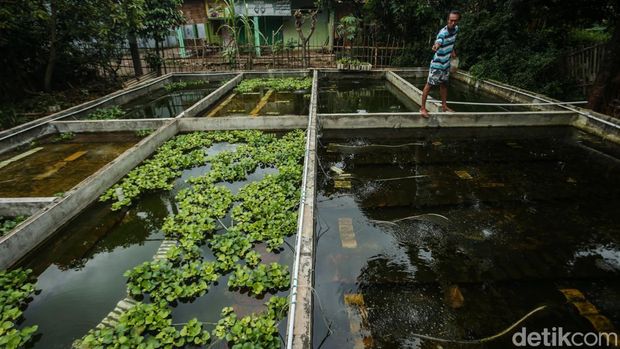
column 392, row 230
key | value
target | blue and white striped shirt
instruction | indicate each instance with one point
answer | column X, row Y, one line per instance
column 446, row 39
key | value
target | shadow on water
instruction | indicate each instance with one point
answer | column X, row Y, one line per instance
column 60, row 164
column 458, row 234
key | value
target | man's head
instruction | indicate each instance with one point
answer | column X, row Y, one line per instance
column 453, row 18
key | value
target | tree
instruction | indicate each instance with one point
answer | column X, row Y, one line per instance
column 160, row 16
column 300, row 19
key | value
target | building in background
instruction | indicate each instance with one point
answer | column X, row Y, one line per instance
column 206, row 19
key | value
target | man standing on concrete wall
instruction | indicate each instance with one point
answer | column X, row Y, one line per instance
column 439, row 71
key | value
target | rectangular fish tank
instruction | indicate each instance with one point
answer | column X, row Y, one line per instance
column 203, row 214
column 265, row 97
column 56, row 163
column 448, row 238
column 361, row 93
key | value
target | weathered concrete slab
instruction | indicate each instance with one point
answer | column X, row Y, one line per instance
column 213, row 97
column 11, row 207
column 43, row 224
column 301, row 315
column 282, row 122
column 405, row 120
column 83, row 126
column 289, row 73
column 412, row 92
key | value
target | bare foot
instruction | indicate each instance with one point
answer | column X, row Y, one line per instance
column 447, row 109
column 424, row 112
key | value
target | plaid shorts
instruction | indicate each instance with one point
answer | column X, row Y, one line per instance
column 438, row 76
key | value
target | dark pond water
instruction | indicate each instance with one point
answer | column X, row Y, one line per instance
column 361, row 95
column 55, row 166
column 457, row 234
column 80, row 270
column 163, row 104
column 462, row 92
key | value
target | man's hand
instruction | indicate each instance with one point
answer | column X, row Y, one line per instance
column 436, row 47
column 453, row 54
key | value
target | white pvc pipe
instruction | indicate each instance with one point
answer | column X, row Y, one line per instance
column 523, row 92
column 300, row 219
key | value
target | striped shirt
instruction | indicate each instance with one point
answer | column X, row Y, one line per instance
column 446, row 39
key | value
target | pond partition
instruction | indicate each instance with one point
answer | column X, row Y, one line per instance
column 450, row 236
column 225, row 205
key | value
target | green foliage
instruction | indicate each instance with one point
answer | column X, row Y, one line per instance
column 7, row 224
column 146, row 326
column 277, row 84
column 260, row 279
column 199, row 207
column 165, row 281
column 110, row 113
column 160, row 16
column 185, row 84
column 348, row 27
column 229, row 248
column 16, row 288
column 64, row 136
column 349, row 61
column 252, row 331
column 589, row 36
column 143, row 133
column 182, row 152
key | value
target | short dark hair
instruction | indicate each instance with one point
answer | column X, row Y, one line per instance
column 455, row 12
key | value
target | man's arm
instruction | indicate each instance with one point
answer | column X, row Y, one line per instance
column 453, row 54
column 438, row 42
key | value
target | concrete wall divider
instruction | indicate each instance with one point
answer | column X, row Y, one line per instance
column 413, row 120
column 213, row 97
column 412, row 92
column 283, row 122
column 11, row 207
column 129, row 125
column 299, row 332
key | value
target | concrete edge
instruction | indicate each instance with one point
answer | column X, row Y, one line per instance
column 27, row 206
column 411, row 91
column 42, row 225
column 605, row 130
column 210, row 99
column 302, row 321
column 26, row 136
column 415, row 120
column 85, row 126
column 282, row 122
